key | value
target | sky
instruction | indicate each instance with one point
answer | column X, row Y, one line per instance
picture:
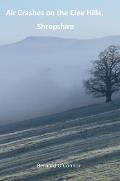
column 13, row 29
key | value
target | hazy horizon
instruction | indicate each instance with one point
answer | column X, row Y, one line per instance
column 58, row 37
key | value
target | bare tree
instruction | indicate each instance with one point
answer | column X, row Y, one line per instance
column 105, row 75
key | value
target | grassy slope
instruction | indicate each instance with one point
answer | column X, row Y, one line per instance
column 88, row 136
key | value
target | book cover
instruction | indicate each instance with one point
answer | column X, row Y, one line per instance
column 59, row 90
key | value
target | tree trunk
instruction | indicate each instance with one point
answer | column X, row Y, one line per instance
column 108, row 97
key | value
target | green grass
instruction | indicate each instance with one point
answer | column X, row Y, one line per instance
column 88, row 136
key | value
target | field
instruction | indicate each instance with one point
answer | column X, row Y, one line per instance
column 87, row 138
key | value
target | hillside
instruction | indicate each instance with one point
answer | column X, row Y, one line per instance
column 44, row 75
column 88, row 137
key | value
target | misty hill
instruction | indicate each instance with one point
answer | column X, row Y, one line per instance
column 87, row 136
column 43, row 75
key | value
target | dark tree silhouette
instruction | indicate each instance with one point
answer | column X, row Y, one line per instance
column 105, row 75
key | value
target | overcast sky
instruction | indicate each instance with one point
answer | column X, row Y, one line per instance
column 13, row 29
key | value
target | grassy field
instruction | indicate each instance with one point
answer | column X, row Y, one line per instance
column 87, row 138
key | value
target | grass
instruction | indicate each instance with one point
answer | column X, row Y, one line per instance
column 88, row 136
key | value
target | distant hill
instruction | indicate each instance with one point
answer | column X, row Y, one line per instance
column 87, row 137
column 43, row 75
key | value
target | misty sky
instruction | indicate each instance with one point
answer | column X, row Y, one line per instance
column 13, row 29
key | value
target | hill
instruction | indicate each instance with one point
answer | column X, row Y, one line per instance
column 87, row 137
